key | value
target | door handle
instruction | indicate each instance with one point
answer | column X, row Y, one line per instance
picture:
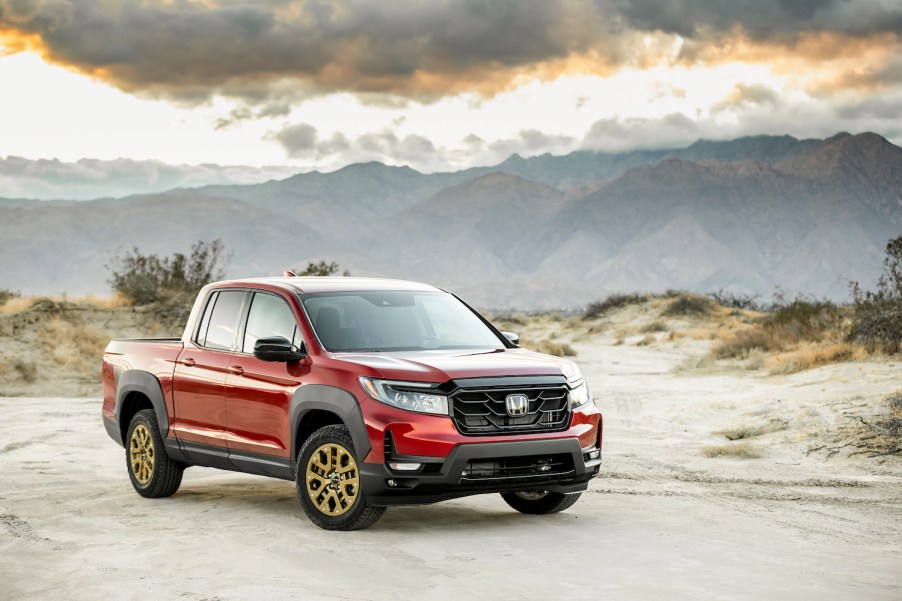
column 189, row 362
column 236, row 369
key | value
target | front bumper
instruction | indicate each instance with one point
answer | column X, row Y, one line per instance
column 555, row 465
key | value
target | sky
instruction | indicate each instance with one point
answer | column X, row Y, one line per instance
column 437, row 85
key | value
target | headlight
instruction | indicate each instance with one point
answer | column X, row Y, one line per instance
column 571, row 372
column 405, row 395
column 580, row 396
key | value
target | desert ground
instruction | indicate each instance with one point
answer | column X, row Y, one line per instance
column 801, row 505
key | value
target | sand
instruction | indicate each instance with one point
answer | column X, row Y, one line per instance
column 804, row 520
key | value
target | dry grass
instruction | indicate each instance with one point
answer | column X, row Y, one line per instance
column 18, row 304
column 655, row 326
column 882, row 435
column 809, row 355
column 752, row 431
column 72, row 345
column 648, row 339
column 550, row 347
column 739, row 450
column 688, row 304
column 613, row 301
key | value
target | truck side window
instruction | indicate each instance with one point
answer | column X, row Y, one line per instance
column 224, row 320
column 269, row 316
column 205, row 320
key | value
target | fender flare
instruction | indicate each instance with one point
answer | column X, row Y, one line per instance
column 311, row 397
column 136, row 380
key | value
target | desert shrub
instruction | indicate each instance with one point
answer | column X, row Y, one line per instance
column 734, row 300
column 741, row 343
column 28, row 371
column 882, row 434
column 788, row 325
column 655, row 326
column 146, row 278
column 613, row 301
column 321, row 268
column 686, row 304
column 803, row 319
column 7, row 294
column 646, row 340
column 878, row 314
column 752, row 431
column 740, row 450
column 549, row 347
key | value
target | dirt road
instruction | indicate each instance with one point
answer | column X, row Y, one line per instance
column 664, row 522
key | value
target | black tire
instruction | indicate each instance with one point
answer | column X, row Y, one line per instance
column 539, row 502
column 152, row 472
column 340, row 494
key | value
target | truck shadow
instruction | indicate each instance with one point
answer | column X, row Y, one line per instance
column 276, row 498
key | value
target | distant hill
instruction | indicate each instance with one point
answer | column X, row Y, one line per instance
column 745, row 215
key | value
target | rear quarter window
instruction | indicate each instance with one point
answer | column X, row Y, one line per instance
column 222, row 327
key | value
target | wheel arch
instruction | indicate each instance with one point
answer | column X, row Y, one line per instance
column 314, row 406
column 140, row 390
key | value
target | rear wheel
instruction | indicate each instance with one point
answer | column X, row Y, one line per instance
column 328, row 482
column 152, row 472
column 538, row 502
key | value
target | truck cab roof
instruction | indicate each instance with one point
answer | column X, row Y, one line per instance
column 313, row 284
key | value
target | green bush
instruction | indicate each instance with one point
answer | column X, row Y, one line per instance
column 146, row 279
column 7, row 294
column 878, row 314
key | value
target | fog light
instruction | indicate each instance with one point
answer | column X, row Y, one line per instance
column 593, row 454
column 391, row 483
column 405, row 467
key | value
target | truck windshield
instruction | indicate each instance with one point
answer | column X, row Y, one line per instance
column 373, row 321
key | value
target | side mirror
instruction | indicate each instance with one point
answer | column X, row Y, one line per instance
column 513, row 338
column 277, row 348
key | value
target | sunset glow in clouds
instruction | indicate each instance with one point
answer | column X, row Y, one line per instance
column 435, row 85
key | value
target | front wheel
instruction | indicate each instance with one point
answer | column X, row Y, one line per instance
column 538, row 502
column 328, row 482
column 152, row 472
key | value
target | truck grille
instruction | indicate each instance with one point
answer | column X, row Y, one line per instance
column 480, row 411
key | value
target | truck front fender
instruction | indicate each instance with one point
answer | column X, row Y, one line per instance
column 313, row 397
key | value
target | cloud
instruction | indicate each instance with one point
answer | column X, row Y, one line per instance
column 616, row 134
column 91, row 178
column 761, row 20
column 745, row 95
column 414, row 48
column 189, row 49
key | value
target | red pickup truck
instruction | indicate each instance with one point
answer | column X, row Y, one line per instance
column 366, row 393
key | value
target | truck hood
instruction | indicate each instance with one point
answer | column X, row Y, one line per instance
column 441, row 365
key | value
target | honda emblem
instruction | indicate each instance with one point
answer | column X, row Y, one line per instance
column 516, row 404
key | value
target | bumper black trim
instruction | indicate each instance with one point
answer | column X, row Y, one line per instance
column 448, row 482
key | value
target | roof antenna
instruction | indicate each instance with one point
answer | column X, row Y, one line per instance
column 289, row 274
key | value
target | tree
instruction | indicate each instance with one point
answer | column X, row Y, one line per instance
column 147, row 278
column 878, row 314
column 322, row 268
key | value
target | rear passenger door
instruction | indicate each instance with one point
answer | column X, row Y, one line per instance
column 258, row 393
column 200, row 375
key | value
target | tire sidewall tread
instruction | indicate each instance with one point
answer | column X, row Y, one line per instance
column 167, row 474
column 362, row 515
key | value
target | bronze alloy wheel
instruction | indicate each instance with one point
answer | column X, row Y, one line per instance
column 141, row 454
column 332, row 479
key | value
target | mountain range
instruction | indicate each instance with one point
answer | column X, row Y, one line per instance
column 745, row 215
